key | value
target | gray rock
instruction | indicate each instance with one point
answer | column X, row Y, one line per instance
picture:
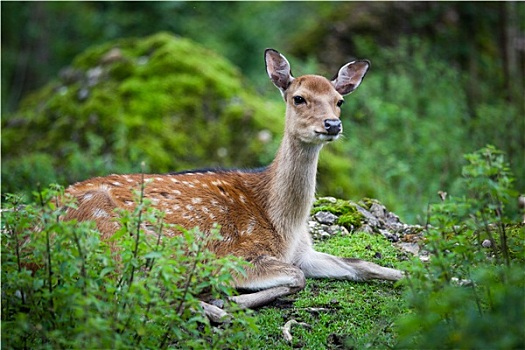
column 325, row 217
column 370, row 219
column 366, row 228
column 392, row 237
column 412, row 248
column 378, row 211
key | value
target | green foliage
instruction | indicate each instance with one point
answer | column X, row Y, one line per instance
column 471, row 293
column 404, row 124
column 62, row 287
column 161, row 99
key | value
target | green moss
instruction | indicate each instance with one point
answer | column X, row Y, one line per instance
column 348, row 215
column 161, row 99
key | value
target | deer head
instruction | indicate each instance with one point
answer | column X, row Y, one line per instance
column 313, row 102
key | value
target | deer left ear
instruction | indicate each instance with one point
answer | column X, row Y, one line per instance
column 278, row 69
column 350, row 76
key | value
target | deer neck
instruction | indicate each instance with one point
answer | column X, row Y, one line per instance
column 291, row 185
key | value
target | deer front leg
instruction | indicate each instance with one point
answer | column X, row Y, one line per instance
column 320, row 265
column 270, row 279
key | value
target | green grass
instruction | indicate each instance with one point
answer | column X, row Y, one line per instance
column 342, row 314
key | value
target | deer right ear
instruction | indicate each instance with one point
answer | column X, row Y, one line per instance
column 278, row 69
column 350, row 76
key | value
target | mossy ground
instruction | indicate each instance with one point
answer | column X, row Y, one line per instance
column 342, row 314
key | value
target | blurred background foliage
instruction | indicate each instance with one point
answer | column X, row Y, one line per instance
column 80, row 98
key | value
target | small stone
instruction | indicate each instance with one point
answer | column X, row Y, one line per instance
column 142, row 60
column 114, row 55
column 392, row 218
column 487, row 243
column 70, row 75
column 412, row 248
column 218, row 302
column 324, row 234
column 325, row 217
column 329, row 199
column 94, row 75
column 377, row 210
column 341, row 230
column 392, row 237
column 83, row 94
column 424, row 256
column 366, row 229
column 370, row 219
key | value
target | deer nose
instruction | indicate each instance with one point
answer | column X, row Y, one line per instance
column 332, row 126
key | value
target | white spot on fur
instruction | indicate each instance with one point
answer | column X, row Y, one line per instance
column 177, row 192
column 100, row 213
column 251, row 226
column 189, row 207
column 189, row 184
column 174, row 180
column 104, row 187
column 116, row 183
column 196, row 200
column 87, row 196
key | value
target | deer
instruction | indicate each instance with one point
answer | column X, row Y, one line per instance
column 262, row 214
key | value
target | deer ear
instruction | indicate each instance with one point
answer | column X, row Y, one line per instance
column 350, row 76
column 278, row 69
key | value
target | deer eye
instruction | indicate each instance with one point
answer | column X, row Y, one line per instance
column 340, row 103
column 298, row 100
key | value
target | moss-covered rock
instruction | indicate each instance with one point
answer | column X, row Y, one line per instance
column 346, row 211
column 332, row 216
column 161, row 99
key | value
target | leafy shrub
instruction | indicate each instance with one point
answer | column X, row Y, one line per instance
column 471, row 293
column 135, row 291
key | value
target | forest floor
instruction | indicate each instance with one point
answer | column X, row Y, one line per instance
column 335, row 314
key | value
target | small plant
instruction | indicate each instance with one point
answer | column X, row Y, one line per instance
column 471, row 293
column 62, row 287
